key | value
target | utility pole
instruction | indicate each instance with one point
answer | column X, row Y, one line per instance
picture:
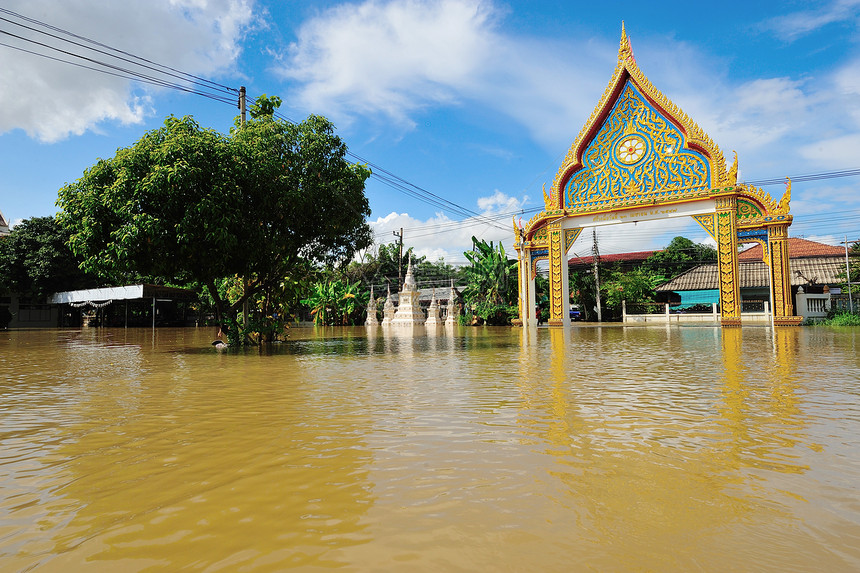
column 595, row 259
column 242, row 105
column 848, row 278
column 399, row 258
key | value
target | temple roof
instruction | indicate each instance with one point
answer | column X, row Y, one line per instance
column 669, row 153
column 634, row 257
column 818, row 270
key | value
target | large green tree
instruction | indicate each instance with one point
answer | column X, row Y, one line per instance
column 36, row 260
column 190, row 204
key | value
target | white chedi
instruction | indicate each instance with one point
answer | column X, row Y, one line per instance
column 371, row 310
column 388, row 309
column 433, row 318
column 451, row 319
column 409, row 311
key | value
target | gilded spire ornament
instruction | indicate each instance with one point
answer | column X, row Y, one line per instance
column 625, row 50
column 782, row 207
column 732, row 175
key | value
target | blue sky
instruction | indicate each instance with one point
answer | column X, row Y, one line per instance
column 475, row 102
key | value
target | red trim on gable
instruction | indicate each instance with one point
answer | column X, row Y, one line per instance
column 591, row 133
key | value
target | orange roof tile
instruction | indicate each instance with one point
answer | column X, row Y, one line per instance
column 797, row 249
column 636, row 256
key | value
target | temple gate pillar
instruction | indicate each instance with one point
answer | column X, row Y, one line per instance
column 780, row 276
column 531, row 295
column 727, row 260
column 526, row 300
column 558, row 281
column 520, row 290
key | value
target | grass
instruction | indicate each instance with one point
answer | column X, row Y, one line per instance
column 841, row 319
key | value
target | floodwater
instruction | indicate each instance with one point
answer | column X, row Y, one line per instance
column 589, row 449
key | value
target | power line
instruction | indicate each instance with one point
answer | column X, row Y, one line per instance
column 185, row 75
column 220, row 92
column 120, row 75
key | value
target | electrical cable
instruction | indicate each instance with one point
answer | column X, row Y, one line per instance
column 119, row 75
column 130, row 61
column 94, row 42
column 378, row 173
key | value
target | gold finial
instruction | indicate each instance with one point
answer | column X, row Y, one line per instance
column 625, row 50
column 782, row 206
column 733, row 171
column 547, row 199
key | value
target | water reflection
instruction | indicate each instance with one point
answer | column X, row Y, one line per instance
column 669, row 449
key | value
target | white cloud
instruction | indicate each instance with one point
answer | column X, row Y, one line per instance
column 384, row 59
column 389, row 57
column 835, row 152
column 440, row 236
column 792, row 26
column 392, row 59
column 50, row 100
column 498, row 202
column 451, row 52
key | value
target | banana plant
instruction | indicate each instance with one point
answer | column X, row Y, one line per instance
column 491, row 279
column 336, row 302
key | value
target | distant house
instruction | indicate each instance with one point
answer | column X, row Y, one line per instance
column 625, row 261
column 4, row 225
column 813, row 266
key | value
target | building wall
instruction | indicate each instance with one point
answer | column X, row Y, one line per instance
column 26, row 313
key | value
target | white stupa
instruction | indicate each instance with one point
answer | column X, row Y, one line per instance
column 451, row 319
column 409, row 311
column 433, row 318
column 388, row 310
column 371, row 310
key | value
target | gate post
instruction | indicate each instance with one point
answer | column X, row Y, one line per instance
column 780, row 276
column 727, row 260
column 557, row 277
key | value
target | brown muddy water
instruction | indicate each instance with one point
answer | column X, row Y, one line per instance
column 589, row 449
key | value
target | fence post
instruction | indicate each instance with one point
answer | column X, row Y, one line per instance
column 624, row 311
column 667, row 311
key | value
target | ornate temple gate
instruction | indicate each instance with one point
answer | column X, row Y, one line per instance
column 639, row 157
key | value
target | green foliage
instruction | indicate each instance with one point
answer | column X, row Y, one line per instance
column 438, row 272
column 582, row 293
column 680, row 255
column 636, row 287
column 334, row 302
column 380, row 267
column 264, row 106
column 854, row 266
column 190, row 204
column 496, row 314
column 843, row 318
column 36, row 260
column 491, row 285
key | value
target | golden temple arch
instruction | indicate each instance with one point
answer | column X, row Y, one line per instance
column 639, row 157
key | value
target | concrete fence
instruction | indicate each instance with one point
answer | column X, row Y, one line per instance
column 669, row 317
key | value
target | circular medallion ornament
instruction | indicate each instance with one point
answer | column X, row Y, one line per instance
column 630, row 150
